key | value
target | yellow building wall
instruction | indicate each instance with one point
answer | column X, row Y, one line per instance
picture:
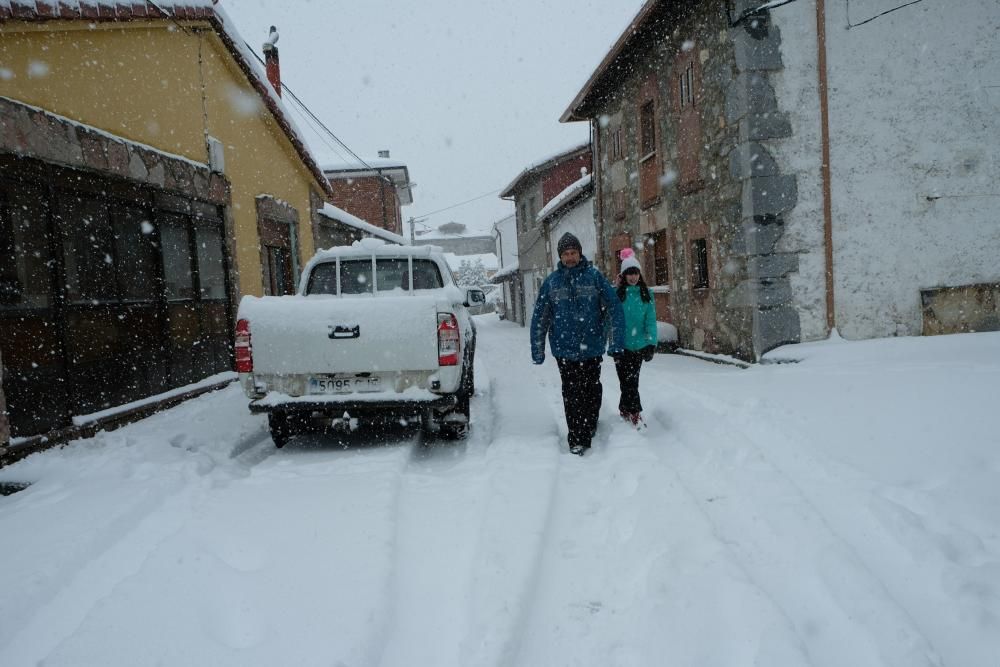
column 151, row 82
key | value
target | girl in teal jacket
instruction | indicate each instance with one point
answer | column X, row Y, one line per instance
column 640, row 335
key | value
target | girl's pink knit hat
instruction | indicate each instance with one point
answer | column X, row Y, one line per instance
column 629, row 261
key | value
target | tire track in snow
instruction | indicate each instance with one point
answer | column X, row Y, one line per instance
column 839, row 608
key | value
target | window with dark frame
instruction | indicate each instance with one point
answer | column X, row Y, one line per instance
column 647, row 130
column 686, row 87
column 619, row 204
column 699, row 264
column 616, row 144
column 661, row 263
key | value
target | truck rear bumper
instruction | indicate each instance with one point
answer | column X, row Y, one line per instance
column 337, row 408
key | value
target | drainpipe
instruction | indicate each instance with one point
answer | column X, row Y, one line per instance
column 824, row 115
column 595, row 170
column 4, row 425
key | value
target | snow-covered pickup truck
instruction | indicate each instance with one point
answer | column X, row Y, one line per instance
column 376, row 333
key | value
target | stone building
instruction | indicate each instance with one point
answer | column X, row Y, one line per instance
column 785, row 169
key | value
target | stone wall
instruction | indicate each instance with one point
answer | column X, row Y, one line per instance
column 32, row 132
column 736, row 203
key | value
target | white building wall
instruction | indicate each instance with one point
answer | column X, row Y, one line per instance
column 579, row 221
column 914, row 100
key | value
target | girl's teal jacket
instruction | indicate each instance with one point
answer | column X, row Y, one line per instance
column 640, row 320
column 575, row 308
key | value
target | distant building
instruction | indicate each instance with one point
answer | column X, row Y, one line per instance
column 456, row 238
column 531, row 190
column 507, row 276
column 374, row 192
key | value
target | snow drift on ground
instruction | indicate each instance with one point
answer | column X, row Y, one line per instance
column 836, row 508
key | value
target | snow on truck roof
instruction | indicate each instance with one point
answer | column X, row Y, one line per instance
column 368, row 247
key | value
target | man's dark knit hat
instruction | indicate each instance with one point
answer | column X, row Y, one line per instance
column 568, row 241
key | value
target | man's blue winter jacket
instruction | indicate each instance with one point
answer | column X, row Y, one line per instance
column 574, row 308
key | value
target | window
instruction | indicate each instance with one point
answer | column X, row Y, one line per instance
column 647, row 130
column 661, row 260
column 616, row 148
column 24, row 249
column 619, row 203
column 136, row 253
column 686, row 86
column 88, row 250
column 279, row 270
column 390, row 274
column 177, row 276
column 211, row 267
column 689, row 139
column 699, row 264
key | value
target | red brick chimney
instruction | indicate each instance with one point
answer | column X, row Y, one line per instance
column 271, row 63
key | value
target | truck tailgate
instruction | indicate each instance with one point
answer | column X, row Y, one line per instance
column 326, row 334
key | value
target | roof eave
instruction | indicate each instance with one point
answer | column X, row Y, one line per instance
column 576, row 111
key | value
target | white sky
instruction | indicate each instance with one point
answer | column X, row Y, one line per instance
column 467, row 94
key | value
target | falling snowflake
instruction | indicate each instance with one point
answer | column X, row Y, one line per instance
column 37, row 69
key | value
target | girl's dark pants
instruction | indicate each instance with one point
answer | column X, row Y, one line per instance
column 628, row 365
column 582, row 392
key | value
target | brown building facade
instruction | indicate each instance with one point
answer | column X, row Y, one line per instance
column 374, row 192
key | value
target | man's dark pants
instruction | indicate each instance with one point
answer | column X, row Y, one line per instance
column 628, row 364
column 582, row 392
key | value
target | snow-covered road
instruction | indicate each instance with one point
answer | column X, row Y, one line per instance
column 837, row 511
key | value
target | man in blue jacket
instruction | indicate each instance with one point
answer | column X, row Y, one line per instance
column 575, row 307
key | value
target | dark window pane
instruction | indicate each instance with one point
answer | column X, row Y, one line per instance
column 176, row 257
column 211, row 268
column 279, row 270
column 88, row 249
column 647, row 129
column 25, row 262
column 661, row 273
column 136, row 253
column 699, row 252
column 355, row 276
column 323, row 279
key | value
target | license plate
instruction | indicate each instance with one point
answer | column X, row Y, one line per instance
column 343, row 385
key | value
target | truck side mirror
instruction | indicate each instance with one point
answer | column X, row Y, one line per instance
column 474, row 296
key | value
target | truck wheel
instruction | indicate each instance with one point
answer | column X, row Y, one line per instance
column 281, row 428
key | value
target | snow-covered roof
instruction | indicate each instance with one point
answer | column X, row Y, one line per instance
column 632, row 34
column 505, row 272
column 104, row 9
column 579, row 188
column 544, row 163
column 377, row 163
column 340, row 215
column 466, row 233
column 175, row 10
column 488, row 260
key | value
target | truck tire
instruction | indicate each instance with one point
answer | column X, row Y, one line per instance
column 281, row 428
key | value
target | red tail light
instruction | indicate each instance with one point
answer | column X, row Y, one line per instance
column 449, row 340
column 244, row 350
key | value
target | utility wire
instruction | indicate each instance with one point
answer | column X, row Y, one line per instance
column 463, row 203
column 306, row 109
column 868, row 20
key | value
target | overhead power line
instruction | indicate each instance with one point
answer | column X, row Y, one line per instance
column 461, row 203
column 311, row 115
